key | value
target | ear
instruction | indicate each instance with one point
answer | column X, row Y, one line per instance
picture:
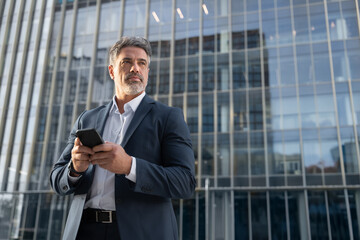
column 111, row 71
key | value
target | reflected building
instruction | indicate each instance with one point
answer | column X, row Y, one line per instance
column 270, row 91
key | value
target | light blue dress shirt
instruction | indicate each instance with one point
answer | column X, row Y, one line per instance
column 102, row 191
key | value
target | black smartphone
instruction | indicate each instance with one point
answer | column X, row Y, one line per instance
column 89, row 137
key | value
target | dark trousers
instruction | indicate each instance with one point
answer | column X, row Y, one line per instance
column 98, row 231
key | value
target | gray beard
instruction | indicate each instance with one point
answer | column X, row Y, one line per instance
column 133, row 89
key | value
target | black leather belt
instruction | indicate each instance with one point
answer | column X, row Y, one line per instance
column 91, row 215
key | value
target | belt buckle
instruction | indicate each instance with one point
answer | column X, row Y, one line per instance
column 109, row 214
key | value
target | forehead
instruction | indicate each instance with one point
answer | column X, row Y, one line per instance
column 133, row 53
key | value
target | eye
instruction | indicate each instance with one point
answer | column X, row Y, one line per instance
column 125, row 62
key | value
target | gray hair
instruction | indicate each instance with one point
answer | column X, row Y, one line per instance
column 129, row 42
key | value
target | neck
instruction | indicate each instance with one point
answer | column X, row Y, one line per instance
column 122, row 99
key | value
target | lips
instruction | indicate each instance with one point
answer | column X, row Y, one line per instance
column 134, row 77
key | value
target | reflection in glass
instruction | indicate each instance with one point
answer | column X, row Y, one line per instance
column 269, row 26
column 207, row 155
column 318, row 23
column 189, row 219
column 223, row 160
column 325, row 106
column 255, row 110
column 278, row 216
column 354, row 202
column 241, row 212
column 297, row 215
column 208, row 113
column 239, row 71
column 240, row 112
column 353, row 54
column 338, row 215
column 257, row 154
column 259, row 215
column 301, row 24
column 241, row 157
column 318, row 215
column 208, row 76
column 192, row 113
column 305, row 68
column 287, row 66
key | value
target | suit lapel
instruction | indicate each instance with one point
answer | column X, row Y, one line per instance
column 101, row 119
column 144, row 107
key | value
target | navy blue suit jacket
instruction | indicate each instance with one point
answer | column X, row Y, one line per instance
column 159, row 139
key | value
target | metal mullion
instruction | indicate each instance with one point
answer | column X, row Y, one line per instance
column 215, row 97
column 67, row 199
column 25, row 213
column 249, row 215
column 12, row 214
column 147, row 11
column 3, row 49
column 268, row 213
column 200, row 96
column 263, row 97
column 53, row 202
column 287, row 216
column 37, row 218
column 213, row 215
column 327, row 214
column 79, row 69
column 43, row 79
column 122, row 15
column 93, row 59
column 247, row 104
column 197, row 220
column 181, row 218
column 231, row 99
column 306, row 203
column 357, row 14
column 18, row 93
column 51, row 100
column 2, row 7
column 231, row 123
column 172, row 54
column 9, row 86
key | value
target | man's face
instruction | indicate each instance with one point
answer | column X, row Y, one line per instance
column 130, row 71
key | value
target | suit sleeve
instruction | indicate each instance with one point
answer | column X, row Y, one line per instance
column 59, row 174
column 175, row 178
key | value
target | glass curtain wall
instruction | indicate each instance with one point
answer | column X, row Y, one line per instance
column 270, row 90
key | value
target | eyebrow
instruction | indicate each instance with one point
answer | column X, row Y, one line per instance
column 138, row 59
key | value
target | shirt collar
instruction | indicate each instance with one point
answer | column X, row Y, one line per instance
column 131, row 105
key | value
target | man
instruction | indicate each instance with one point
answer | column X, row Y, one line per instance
column 123, row 188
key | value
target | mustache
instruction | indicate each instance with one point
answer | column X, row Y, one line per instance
column 130, row 75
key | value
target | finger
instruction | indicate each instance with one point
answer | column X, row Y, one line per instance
column 106, row 147
column 81, row 157
column 77, row 142
column 84, row 150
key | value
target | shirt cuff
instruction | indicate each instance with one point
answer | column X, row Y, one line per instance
column 132, row 175
column 73, row 180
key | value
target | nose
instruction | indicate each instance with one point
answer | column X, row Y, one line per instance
column 135, row 68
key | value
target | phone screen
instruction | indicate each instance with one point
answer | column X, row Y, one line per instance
column 89, row 137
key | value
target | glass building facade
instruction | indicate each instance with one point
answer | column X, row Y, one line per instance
column 270, row 90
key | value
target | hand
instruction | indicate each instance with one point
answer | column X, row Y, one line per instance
column 80, row 156
column 112, row 157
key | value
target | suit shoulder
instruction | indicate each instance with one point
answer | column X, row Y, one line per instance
column 92, row 112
